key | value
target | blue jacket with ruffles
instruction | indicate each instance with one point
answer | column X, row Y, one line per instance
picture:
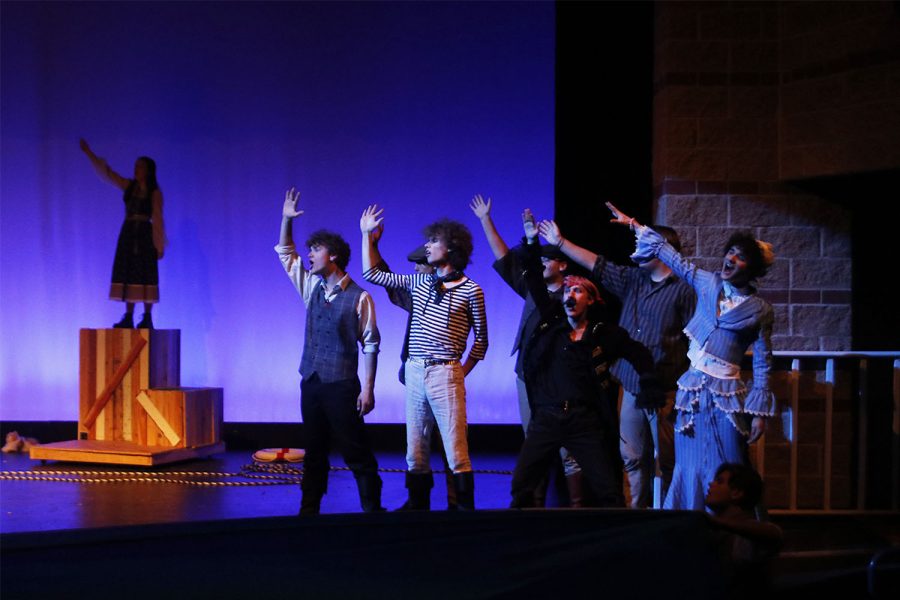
column 725, row 336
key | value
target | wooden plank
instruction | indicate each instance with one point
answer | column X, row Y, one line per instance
column 121, row 453
column 218, row 415
column 112, row 452
column 159, row 419
column 87, row 376
column 130, row 387
column 102, row 370
column 114, row 382
column 171, row 405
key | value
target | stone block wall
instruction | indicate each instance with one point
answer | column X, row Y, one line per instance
column 749, row 98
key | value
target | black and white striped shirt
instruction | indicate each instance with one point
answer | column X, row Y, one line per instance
column 441, row 320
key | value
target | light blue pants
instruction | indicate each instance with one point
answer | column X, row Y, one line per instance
column 436, row 395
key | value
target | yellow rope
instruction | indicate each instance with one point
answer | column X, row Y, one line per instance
column 279, row 475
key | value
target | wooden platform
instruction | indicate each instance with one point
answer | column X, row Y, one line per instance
column 120, row 453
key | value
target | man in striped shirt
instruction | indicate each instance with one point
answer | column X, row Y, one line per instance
column 656, row 306
column 446, row 305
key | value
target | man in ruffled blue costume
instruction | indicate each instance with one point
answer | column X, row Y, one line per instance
column 717, row 414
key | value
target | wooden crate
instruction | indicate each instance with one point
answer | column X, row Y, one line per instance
column 155, row 364
column 131, row 410
column 182, row 417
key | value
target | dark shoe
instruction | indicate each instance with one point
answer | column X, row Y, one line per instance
column 575, row 483
column 370, row 492
column 465, row 490
column 126, row 322
column 310, row 503
column 146, row 322
column 419, row 488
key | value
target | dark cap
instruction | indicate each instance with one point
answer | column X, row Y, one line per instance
column 552, row 252
column 418, row 255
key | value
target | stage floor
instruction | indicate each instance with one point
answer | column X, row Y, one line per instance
column 55, row 505
column 817, row 548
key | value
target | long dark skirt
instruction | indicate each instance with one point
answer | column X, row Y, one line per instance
column 135, row 273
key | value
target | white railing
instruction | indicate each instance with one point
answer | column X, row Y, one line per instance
column 791, row 417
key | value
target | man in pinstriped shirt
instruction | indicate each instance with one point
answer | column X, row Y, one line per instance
column 656, row 306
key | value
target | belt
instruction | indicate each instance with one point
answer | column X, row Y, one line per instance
column 430, row 362
column 563, row 407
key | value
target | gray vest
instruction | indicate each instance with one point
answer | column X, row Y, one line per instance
column 332, row 332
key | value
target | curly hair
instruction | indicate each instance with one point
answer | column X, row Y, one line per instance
column 337, row 246
column 458, row 239
column 757, row 264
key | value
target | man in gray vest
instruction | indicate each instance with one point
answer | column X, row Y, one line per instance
column 339, row 316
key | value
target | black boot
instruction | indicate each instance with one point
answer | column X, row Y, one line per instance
column 369, row 485
column 419, row 486
column 126, row 322
column 465, row 490
column 312, row 488
column 452, row 503
column 575, row 483
column 146, row 322
column 310, row 503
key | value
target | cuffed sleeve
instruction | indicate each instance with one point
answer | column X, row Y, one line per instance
column 761, row 401
column 302, row 279
column 369, row 336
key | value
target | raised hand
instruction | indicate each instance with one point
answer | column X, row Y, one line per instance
column 377, row 233
column 291, row 199
column 550, row 232
column 528, row 225
column 620, row 217
column 481, row 208
column 84, row 146
column 371, row 219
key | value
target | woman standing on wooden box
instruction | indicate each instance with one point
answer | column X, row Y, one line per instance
column 142, row 238
column 717, row 414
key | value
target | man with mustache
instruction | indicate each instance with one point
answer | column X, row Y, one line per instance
column 567, row 361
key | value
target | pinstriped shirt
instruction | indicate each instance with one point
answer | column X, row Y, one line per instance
column 441, row 320
column 653, row 314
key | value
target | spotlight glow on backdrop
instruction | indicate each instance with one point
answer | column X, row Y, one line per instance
column 413, row 106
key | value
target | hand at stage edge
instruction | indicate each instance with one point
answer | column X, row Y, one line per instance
column 366, row 401
column 757, row 429
column 291, row 198
column 621, row 218
column 481, row 208
column 371, row 221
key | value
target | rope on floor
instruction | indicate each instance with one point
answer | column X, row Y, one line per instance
column 262, row 474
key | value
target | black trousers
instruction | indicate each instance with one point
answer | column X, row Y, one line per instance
column 330, row 416
column 581, row 431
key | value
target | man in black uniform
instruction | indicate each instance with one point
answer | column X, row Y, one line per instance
column 566, row 370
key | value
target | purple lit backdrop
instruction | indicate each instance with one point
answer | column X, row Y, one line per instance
column 414, row 106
